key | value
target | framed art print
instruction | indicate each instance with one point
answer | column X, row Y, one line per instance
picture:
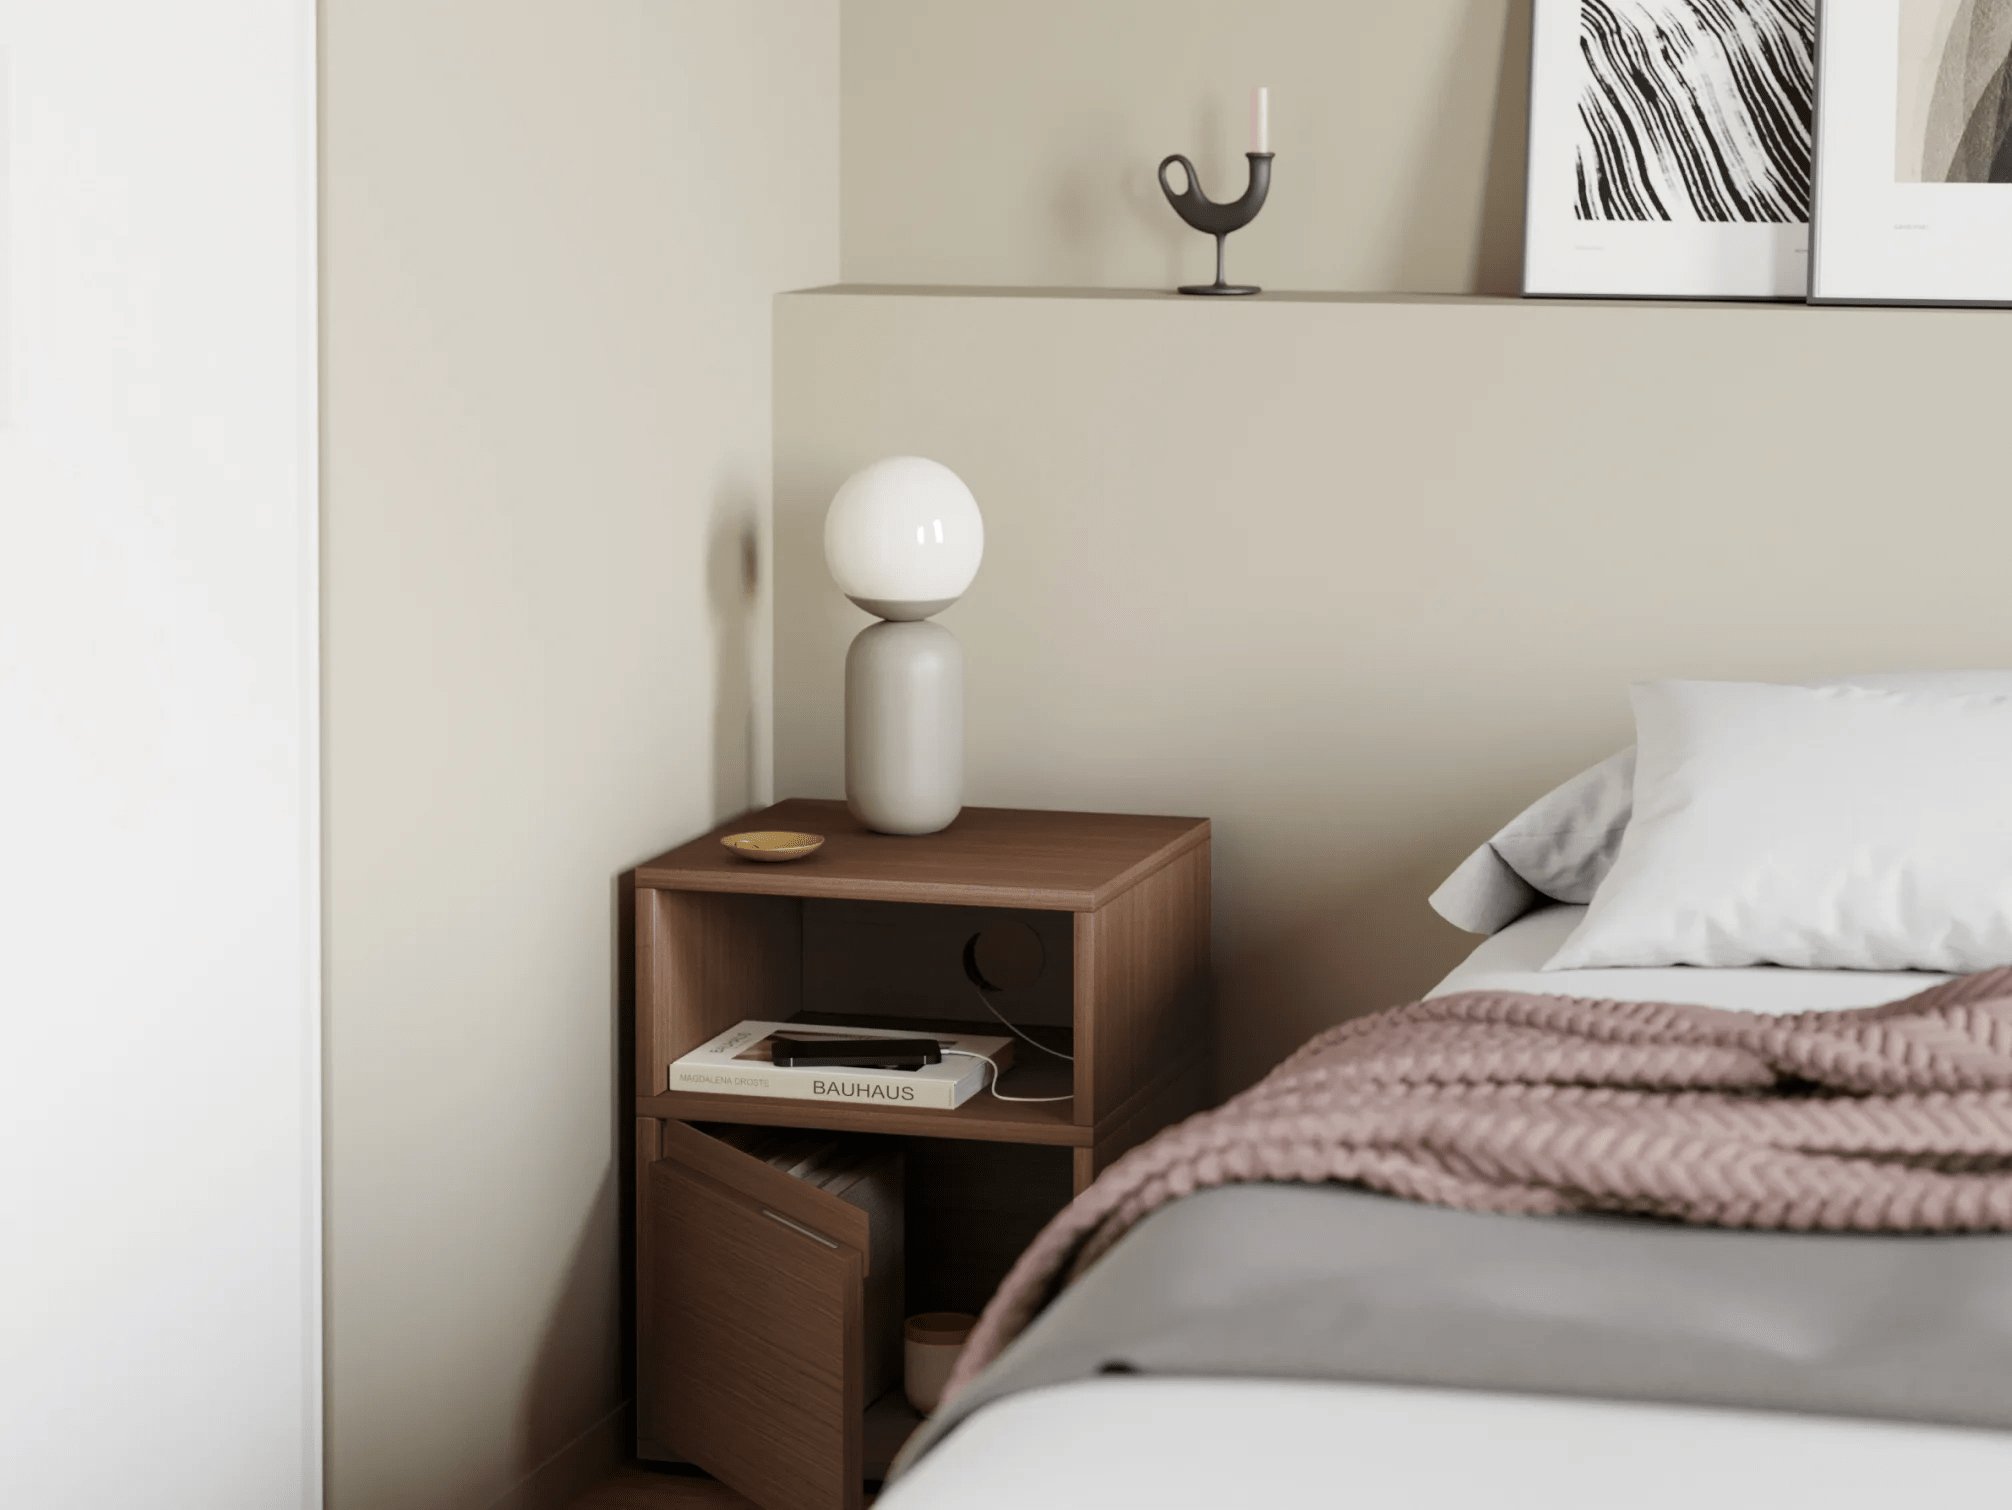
column 1670, row 148
column 1914, row 194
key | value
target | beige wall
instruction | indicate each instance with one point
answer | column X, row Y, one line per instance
column 989, row 143
column 551, row 236
column 1359, row 578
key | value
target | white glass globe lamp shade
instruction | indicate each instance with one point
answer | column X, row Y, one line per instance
column 903, row 538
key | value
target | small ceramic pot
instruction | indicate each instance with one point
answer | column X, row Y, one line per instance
column 931, row 1343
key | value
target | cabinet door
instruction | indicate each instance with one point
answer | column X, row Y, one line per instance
column 751, row 1355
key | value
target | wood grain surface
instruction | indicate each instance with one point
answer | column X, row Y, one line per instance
column 649, row 1147
column 765, row 1185
column 754, row 1358
column 1142, row 984
column 985, row 1117
column 706, row 962
column 997, row 857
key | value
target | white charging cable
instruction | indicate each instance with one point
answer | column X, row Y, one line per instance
column 1055, row 1053
column 1017, row 1033
column 996, row 1092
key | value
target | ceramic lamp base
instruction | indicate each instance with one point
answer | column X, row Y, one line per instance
column 904, row 728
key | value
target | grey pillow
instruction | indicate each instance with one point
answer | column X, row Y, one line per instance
column 1561, row 847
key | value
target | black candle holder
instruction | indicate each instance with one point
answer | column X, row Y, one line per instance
column 1218, row 220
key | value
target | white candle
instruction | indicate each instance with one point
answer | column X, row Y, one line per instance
column 1260, row 120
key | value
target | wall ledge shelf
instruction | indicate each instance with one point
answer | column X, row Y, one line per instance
column 1302, row 297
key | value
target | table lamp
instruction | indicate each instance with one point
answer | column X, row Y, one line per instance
column 903, row 539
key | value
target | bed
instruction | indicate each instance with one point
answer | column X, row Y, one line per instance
column 1177, row 1441
column 1579, row 1360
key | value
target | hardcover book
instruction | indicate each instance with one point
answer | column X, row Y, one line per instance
column 740, row 1062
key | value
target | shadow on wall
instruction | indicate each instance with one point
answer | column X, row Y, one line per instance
column 1088, row 194
column 733, row 586
column 580, row 1355
column 1498, row 267
column 1371, row 942
column 1492, row 54
column 585, row 1351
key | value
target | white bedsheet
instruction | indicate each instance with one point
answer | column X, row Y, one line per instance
column 1207, row 1444
column 1202, row 1444
column 1513, row 960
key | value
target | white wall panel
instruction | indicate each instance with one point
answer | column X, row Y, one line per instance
column 159, row 1186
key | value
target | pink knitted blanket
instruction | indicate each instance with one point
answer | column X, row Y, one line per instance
column 1890, row 1119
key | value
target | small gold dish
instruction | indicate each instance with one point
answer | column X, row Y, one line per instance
column 773, row 846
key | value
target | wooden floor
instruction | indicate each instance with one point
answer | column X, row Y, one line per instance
column 632, row 1489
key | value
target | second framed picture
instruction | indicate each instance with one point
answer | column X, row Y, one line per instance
column 1914, row 202
column 1671, row 148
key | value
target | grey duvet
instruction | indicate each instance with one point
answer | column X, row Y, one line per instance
column 1286, row 1281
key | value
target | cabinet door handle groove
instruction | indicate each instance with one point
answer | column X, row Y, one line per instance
column 816, row 1237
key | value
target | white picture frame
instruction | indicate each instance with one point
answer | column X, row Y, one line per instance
column 1902, row 216
column 1673, row 211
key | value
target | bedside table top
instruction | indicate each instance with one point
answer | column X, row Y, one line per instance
column 998, row 857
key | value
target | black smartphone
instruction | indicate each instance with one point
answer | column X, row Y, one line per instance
column 856, row 1053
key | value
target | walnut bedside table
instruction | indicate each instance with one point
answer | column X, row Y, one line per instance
column 763, row 1300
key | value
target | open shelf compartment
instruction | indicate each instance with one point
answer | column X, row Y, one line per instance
column 714, row 960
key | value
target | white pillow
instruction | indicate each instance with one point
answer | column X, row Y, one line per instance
column 1834, row 828
column 1564, row 843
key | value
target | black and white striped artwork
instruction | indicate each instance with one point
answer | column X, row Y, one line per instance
column 1955, row 92
column 1696, row 110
